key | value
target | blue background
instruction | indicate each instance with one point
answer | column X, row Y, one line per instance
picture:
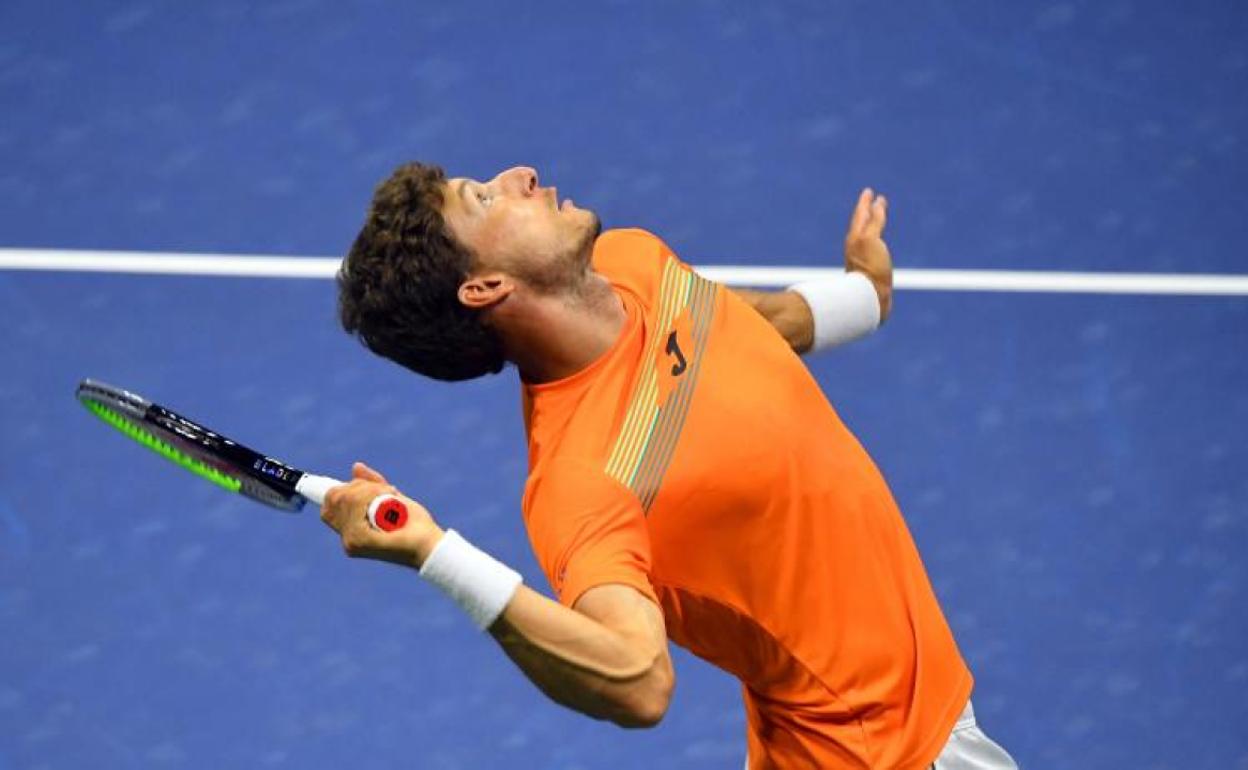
column 1073, row 467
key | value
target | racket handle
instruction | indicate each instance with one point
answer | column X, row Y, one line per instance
column 387, row 513
column 315, row 487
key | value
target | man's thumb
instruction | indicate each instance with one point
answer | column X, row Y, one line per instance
column 361, row 471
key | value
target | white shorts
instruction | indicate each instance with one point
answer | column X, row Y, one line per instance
column 969, row 749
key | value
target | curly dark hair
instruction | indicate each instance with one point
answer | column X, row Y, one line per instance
column 397, row 288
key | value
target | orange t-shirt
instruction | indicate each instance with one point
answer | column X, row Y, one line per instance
column 698, row 461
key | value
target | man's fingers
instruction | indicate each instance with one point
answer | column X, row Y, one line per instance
column 358, row 538
column 345, row 506
column 342, row 514
column 862, row 213
column 879, row 217
column 341, row 500
column 333, row 498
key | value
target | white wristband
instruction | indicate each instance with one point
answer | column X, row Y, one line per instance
column 480, row 584
column 845, row 307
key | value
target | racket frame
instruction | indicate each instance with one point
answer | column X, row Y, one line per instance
column 261, row 478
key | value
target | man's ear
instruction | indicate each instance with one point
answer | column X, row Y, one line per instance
column 482, row 291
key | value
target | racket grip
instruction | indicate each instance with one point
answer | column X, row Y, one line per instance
column 315, row 487
column 387, row 513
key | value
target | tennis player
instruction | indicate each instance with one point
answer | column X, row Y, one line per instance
column 688, row 480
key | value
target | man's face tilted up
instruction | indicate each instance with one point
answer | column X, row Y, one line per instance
column 512, row 225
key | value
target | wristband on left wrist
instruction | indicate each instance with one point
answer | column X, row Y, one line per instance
column 844, row 307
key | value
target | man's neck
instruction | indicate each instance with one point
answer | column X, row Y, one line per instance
column 564, row 334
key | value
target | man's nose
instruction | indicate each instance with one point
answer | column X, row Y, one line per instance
column 520, row 180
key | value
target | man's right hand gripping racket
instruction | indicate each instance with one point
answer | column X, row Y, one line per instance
column 226, row 463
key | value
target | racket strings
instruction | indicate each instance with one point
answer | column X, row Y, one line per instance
column 162, row 448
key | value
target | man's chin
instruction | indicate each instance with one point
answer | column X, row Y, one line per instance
column 593, row 229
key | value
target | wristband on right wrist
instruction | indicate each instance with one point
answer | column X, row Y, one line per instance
column 480, row 584
column 845, row 307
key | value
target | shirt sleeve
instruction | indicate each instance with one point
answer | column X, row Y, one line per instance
column 586, row 530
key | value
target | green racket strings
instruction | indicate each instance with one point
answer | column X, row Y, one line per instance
column 164, row 449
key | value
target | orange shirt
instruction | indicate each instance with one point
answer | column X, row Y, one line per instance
column 698, row 461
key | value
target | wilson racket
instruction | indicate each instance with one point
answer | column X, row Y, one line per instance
column 218, row 459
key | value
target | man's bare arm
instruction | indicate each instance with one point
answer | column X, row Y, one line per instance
column 865, row 252
column 785, row 310
column 606, row 657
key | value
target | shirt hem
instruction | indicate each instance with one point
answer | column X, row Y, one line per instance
column 932, row 750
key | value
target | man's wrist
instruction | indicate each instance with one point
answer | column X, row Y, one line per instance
column 481, row 585
column 800, row 330
column 425, row 543
column 843, row 308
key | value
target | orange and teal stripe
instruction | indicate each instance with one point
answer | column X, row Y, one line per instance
column 648, row 437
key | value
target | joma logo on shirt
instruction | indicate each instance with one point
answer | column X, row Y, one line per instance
column 673, row 349
column 671, row 359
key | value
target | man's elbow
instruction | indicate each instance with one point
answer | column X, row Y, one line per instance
column 645, row 702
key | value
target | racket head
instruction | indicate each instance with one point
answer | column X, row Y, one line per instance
column 193, row 447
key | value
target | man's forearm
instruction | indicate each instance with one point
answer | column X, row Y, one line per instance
column 606, row 657
column 618, row 672
column 844, row 316
column 785, row 310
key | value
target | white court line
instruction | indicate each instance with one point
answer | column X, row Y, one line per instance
column 155, row 263
column 1005, row 280
column 257, row 266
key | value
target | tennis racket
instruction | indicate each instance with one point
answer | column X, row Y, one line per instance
column 222, row 461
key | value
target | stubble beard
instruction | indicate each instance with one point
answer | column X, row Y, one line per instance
column 567, row 273
column 586, row 247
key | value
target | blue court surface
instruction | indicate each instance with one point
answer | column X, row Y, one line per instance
column 1073, row 467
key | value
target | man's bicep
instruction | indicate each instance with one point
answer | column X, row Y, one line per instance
column 632, row 614
column 622, row 608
